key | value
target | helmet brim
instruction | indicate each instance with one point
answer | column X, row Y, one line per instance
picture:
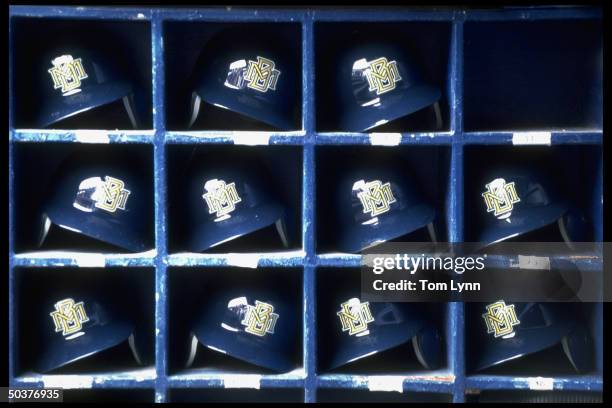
column 248, row 107
column 60, row 352
column 413, row 99
column 102, row 229
column 209, row 234
column 522, row 221
column 357, row 237
column 93, row 96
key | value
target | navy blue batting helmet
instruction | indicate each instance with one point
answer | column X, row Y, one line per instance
column 377, row 82
column 376, row 202
column 75, row 78
column 506, row 331
column 252, row 323
column 252, row 75
column 102, row 196
column 354, row 329
column 76, row 325
column 518, row 200
column 228, row 199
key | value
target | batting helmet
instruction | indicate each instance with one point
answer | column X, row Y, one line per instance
column 355, row 329
column 226, row 200
column 376, row 202
column 377, row 82
column 507, row 331
column 102, row 196
column 254, row 77
column 252, row 323
column 517, row 200
column 76, row 325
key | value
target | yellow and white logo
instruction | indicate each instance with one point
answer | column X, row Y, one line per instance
column 500, row 198
column 260, row 319
column 108, row 195
column 375, row 197
column 382, row 75
column 355, row 316
column 69, row 316
column 67, row 74
column 221, row 198
column 500, row 319
column 261, row 75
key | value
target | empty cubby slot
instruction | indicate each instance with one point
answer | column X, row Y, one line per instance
column 96, row 198
column 359, row 337
column 544, row 74
column 358, row 395
column 236, row 395
column 532, row 193
column 355, row 209
column 234, row 199
column 538, row 339
column 81, row 74
column 235, row 320
column 76, row 321
column 384, row 77
column 137, row 395
column 528, row 396
column 215, row 80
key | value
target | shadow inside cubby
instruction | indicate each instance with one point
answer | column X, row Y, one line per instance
column 183, row 42
column 196, row 294
column 368, row 357
column 550, row 175
column 120, row 332
column 426, row 168
column 35, row 185
column 549, row 361
column 275, row 395
column 327, row 395
column 268, row 174
column 120, row 53
column 428, row 45
column 528, row 75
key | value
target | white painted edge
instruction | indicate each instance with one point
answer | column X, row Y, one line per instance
column 385, row 139
column 67, row 381
column 90, row 260
column 531, row 138
column 533, row 262
column 91, row 136
column 243, row 260
column 251, row 138
column 252, row 381
column 386, row 383
column 540, row 383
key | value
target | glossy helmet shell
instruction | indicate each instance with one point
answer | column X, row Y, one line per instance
column 378, row 81
column 251, row 74
column 103, row 196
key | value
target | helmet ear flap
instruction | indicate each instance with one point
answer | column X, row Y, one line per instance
column 428, row 347
column 578, row 348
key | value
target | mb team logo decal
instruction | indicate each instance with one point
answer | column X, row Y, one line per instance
column 69, row 316
column 500, row 198
column 382, row 75
column 67, row 74
column 261, row 75
column 108, row 195
column 375, row 197
column 500, row 319
column 221, row 198
column 260, row 319
column 355, row 316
